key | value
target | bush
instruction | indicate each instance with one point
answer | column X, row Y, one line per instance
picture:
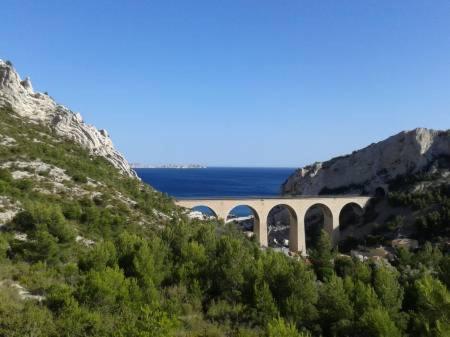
column 43, row 247
column 24, row 319
column 5, row 175
column 25, row 185
column 45, row 217
column 279, row 328
column 4, row 246
column 72, row 210
column 79, row 178
column 24, row 221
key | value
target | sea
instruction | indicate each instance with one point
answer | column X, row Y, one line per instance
column 217, row 182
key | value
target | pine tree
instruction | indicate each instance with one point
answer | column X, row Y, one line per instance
column 322, row 256
column 334, row 305
column 265, row 306
column 376, row 322
column 388, row 289
column 279, row 328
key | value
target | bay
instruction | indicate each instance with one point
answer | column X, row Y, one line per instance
column 216, row 181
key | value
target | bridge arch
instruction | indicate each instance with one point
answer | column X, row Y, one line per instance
column 256, row 218
column 350, row 215
column 205, row 210
column 379, row 192
column 286, row 213
column 318, row 216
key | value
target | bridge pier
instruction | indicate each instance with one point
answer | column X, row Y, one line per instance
column 260, row 230
column 297, row 237
column 335, row 233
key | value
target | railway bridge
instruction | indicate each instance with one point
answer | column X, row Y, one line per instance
column 298, row 206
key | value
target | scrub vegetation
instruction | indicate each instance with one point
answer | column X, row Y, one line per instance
column 100, row 254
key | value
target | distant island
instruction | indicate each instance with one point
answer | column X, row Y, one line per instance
column 168, row 166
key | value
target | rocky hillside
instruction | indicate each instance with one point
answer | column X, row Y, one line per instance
column 408, row 172
column 39, row 167
column 379, row 165
column 19, row 96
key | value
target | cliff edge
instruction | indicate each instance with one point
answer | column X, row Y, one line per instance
column 40, row 108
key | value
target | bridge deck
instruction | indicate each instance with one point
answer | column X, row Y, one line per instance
column 284, row 197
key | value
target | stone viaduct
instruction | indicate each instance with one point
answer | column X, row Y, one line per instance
column 298, row 207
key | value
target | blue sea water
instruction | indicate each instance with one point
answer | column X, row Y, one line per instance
column 216, row 181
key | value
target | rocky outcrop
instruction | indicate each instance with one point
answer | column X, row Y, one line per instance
column 40, row 108
column 374, row 167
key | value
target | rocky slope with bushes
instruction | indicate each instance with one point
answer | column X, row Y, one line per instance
column 410, row 175
column 376, row 166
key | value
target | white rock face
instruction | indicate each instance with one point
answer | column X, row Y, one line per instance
column 41, row 108
column 25, row 167
column 8, row 209
column 23, row 293
column 375, row 166
column 7, row 141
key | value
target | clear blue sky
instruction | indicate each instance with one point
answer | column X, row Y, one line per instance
column 238, row 82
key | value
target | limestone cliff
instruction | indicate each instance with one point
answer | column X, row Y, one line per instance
column 41, row 108
column 376, row 166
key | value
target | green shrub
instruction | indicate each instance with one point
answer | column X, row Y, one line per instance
column 79, row 178
column 5, row 175
column 25, row 185
column 4, row 246
column 279, row 328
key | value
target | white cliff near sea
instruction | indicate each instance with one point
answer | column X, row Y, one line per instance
column 19, row 95
column 375, row 166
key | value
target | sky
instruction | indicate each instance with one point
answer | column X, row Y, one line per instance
column 238, row 82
